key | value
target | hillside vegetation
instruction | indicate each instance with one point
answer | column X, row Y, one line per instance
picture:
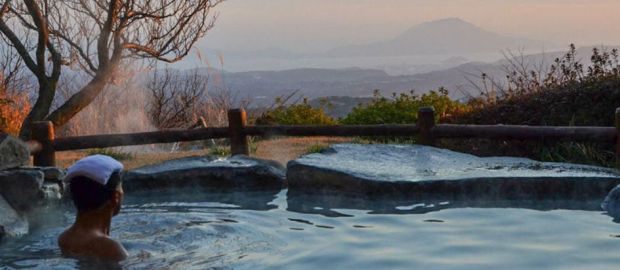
column 568, row 93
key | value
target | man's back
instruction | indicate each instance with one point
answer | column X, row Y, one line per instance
column 81, row 243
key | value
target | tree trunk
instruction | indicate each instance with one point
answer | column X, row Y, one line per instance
column 41, row 107
column 80, row 100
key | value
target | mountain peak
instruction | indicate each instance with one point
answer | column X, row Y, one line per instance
column 447, row 24
column 444, row 36
column 447, row 21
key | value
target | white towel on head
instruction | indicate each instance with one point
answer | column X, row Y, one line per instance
column 99, row 168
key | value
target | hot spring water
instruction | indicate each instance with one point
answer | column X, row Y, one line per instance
column 258, row 231
column 350, row 207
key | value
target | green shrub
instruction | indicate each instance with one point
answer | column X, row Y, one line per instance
column 571, row 152
column 402, row 108
column 569, row 93
column 219, row 151
column 224, row 150
column 111, row 152
column 296, row 114
column 316, row 148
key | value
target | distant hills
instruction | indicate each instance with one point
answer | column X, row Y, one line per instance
column 263, row 86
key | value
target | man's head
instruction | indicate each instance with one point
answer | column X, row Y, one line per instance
column 95, row 183
column 89, row 195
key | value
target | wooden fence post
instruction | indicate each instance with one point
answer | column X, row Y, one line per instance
column 426, row 122
column 237, row 120
column 617, row 122
column 43, row 132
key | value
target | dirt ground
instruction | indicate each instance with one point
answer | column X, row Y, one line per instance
column 285, row 149
column 280, row 149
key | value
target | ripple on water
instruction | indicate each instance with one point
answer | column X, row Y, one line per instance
column 209, row 235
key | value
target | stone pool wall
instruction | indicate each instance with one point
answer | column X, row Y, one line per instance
column 23, row 189
column 373, row 177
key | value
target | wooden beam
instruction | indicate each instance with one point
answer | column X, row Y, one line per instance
column 237, row 121
column 530, row 133
column 617, row 131
column 426, row 123
column 103, row 141
column 336, row 130
column 43, row 133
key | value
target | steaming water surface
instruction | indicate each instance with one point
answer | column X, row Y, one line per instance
column 203, row 235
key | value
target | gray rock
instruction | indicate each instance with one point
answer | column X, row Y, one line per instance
column 13, row 152
column 54, row 185
column 11, row 223
column 612, row 203
column 427, row 173
column 22, row 188
column 52, row 192
column 53, row 174
column 238, row 172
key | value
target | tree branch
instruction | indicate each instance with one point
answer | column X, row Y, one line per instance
column 43, row 35
column 19, row 46
column 104, row 37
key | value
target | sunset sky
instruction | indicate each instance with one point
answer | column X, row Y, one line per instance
column 302, row 25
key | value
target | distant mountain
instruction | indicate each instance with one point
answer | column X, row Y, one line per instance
column 446, row 36
column 264, row 53
column 264, row 86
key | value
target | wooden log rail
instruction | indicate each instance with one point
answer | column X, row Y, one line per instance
column 104, row 141
column 335, row 131
column 44, row 145
column 530, row 133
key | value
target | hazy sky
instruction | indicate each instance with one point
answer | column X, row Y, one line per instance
column 303, row 25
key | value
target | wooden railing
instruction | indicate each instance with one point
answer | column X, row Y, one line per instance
column 44, row 145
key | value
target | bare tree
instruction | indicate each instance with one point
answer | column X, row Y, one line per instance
column 174, row 98
column 12, row 71
column 219, row 101
column 14, row 103
column 96, row 36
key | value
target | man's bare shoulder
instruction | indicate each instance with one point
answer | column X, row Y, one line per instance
column 103, row 247
column 108, row 248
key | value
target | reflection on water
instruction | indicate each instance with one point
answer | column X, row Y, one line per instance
column 324, row 204
column 186, row 230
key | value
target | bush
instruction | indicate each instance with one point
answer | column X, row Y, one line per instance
column 569, row 93
column 402, row 108
column 223, row 150
column 219, row 151
column 296, row 114
column 13, row 111
column 113, row 153
column 315, row 148
column 582, row 153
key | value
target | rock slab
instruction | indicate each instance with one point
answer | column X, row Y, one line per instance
column 22, row 188
column 238, row 172
column 11, row 223
column 13, row 152
column 612, row 203
column 414, row 171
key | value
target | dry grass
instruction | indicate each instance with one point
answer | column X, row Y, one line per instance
column 285, row 149
column 281, row 149
column 65, row 159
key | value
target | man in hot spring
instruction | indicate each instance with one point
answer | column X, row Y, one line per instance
column 95, row 185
